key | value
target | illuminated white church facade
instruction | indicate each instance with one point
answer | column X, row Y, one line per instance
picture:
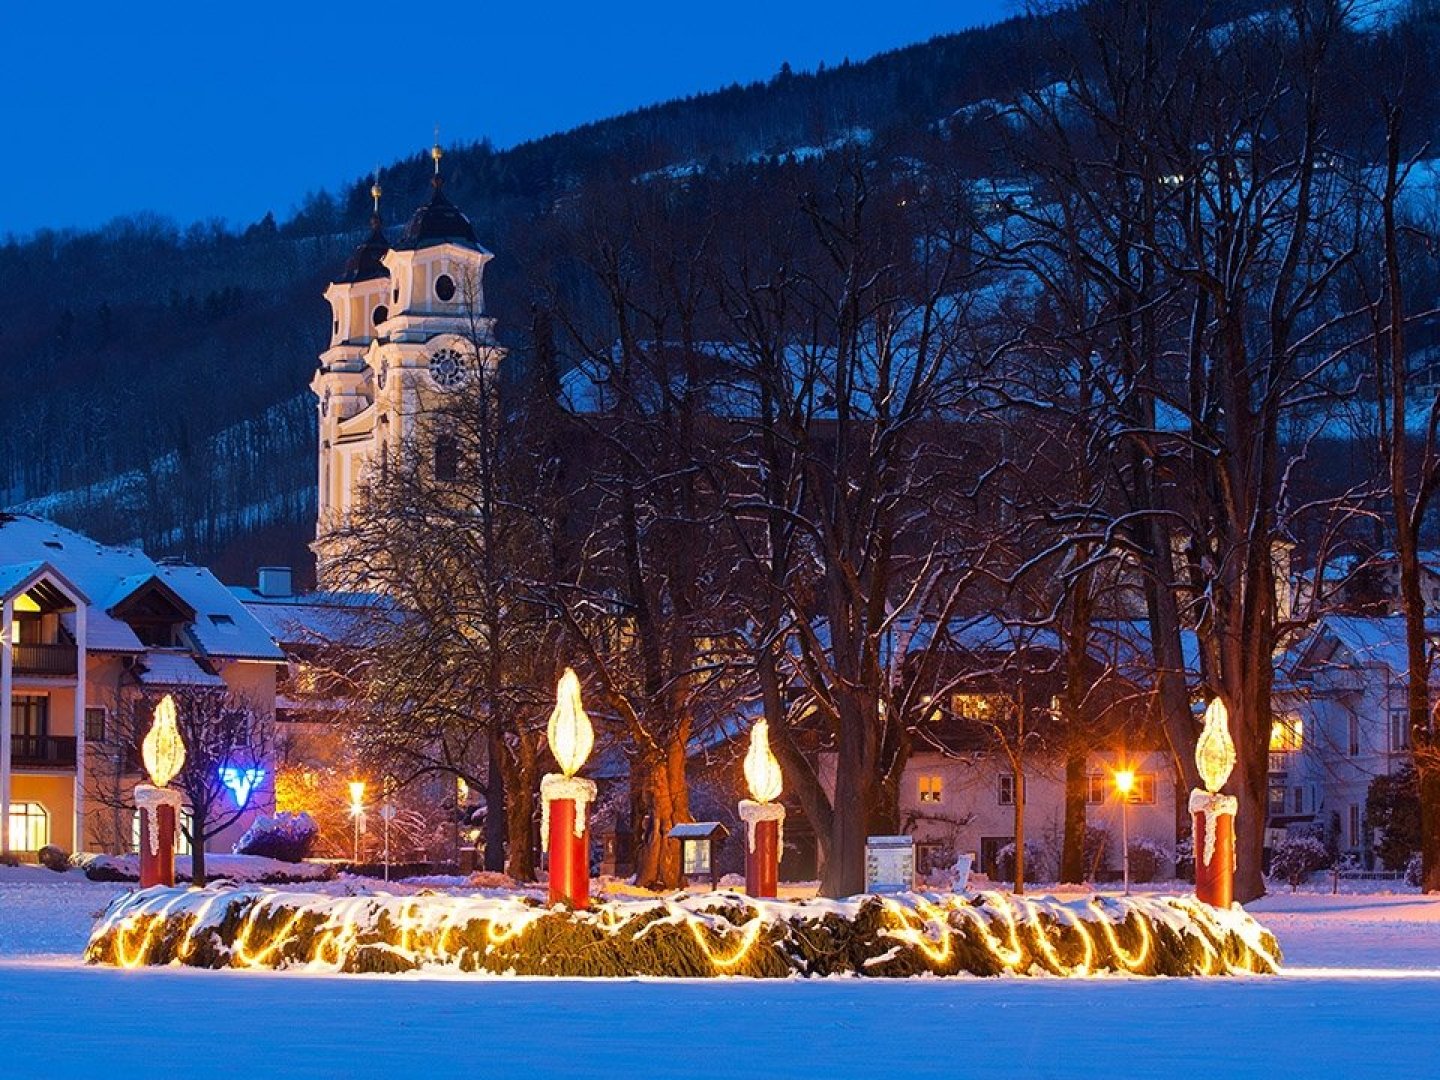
column 408, row 325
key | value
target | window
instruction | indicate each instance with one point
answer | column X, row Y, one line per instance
column 972, row 706
column 447, row 458
column 1277, row 801
column 29, row 826
column 222, row 620
column 1287, row 734
column 930, row 789
column 1005, row 792
column 182, row 832
column 1354, row 825
column 94, row 725
column 29, row 716
column 1399, row 729
column 379, row 315
column 1144, row 791
column 1096, row 789
column 445, row 288
column 1297, row 800
column 1354, row 741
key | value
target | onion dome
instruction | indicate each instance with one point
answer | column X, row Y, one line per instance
column 439, row 221
column 367, row 262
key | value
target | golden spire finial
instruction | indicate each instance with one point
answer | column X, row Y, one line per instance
column 376, row 192
column 435, row 152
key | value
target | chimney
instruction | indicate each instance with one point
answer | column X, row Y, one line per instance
column 275, row 581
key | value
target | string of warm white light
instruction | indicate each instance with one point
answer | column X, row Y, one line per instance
column 322, row 933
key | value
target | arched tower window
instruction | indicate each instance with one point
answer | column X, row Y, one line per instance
column 447, row 458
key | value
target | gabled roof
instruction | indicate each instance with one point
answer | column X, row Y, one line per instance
column 19, row 578
column 317, row 619
column 105, row 576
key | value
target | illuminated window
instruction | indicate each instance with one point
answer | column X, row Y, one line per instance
column 1005, row 792
column 1144, row 791
column 29, row 826
column 930, row 789
column 1287, row 734
column 973, row 706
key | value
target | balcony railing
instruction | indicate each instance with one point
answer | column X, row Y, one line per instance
column 1280, row 761
column 42, row 751
column 44, row 659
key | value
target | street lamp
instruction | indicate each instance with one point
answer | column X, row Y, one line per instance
column 1124, row 784
column 357, row 811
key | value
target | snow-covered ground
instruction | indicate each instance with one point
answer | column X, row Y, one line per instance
column 1357, row 1000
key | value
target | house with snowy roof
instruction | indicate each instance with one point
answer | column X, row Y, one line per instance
column 86, row 630
column 1340, row 721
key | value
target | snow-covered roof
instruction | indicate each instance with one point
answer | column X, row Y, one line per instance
column 319, row 618
column 107, row 575
column 173, row 668
column 1377, row 640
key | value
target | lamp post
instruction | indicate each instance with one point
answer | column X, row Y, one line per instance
column 1124, row 784
column 357, row 811
column 764, row 817
column 1213, row 813
column 565, row 796
column 163, row 752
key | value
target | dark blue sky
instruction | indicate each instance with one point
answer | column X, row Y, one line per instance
column 197, row 110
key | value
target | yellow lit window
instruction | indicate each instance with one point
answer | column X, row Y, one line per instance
column 1287, row 734
column 972, row 706
column 930, row 789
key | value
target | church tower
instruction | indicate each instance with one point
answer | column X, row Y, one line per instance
column 408, row 326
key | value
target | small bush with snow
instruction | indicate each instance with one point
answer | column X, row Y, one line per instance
column 1412, row 870
column 1034, row 862
column 287, row 837
column 1148, row 859
column 1297, row 857
column 53, row 857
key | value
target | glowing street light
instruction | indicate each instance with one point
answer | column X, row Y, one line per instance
column 357, row 811
column 1124, row 784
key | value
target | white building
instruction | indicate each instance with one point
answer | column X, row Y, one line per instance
column 1341, row 721
column 407, row 325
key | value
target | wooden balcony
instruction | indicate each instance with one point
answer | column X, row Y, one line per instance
column 42, row 751
column 56, row 660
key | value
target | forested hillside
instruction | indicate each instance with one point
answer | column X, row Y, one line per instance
column 156, row 373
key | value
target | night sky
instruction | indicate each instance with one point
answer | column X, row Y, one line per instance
column 198, row 111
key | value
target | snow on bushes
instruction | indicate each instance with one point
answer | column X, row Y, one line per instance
column 685, row 936
column 244, row 868
column 1147, row 859
column 1298, row 856
column 287, row 837
column 1035, row 857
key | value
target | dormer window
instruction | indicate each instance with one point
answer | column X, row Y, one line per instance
column 156, row 614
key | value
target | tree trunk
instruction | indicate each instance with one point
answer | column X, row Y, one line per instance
column 197, row 850
column 659, row 801
column 1072, row 851
column 520, row 807
column 496, row 818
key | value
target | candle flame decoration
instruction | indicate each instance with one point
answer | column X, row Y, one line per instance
column 1214, row 751
column 570, row 735
column 762, row 771
column 163, row 749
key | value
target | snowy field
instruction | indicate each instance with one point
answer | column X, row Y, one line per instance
column 1357, row 1000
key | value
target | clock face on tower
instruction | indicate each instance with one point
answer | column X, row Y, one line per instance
column 447, row 368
